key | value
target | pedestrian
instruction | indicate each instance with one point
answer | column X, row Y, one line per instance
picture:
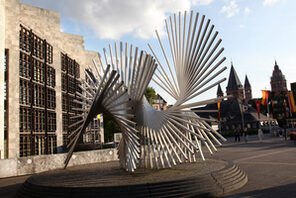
column 237, row 135
column 246, row 134
column 281, row 133
column 260, row 134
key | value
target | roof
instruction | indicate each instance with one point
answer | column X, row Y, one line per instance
column 247, row 83
column 233, row 80
column 219, row 91
column 277, row 73
column 160, row 98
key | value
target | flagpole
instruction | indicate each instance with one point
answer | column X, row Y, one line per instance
column 242, row 115
column 268, row 117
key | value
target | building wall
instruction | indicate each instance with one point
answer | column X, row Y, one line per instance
column 45, row 24
column 12, row 44
column 36, row 164
column 2, row 51
column 278, row 87
column 248, row 94
column 239, row 93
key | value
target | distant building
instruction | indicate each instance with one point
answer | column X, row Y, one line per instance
column 159, row 103
column 234, row 86
column 248, row 90
column 235, row 111
column 219, row 92
column 278, row 81
column 293, row 88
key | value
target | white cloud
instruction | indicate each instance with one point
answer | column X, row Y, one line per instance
column 247, row 10
column 231, row 9
column 112, row 19
column 242, row 26
column 269, row 2
column 201, row 2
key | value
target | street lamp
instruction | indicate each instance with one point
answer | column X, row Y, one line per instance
column 242, row 110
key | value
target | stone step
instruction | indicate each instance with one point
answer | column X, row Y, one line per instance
column 171, row 184
column 231, row 179
column 234, row 177
column 228, row 172
column 237, row 185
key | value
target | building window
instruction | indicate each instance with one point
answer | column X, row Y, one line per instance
column 70, row 85
column 37, row 95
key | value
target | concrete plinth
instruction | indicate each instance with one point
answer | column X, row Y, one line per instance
column 205, row 178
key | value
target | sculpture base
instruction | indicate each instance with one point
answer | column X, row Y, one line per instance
column 204, row 178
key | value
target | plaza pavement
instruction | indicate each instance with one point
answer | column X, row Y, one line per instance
column 270, row 166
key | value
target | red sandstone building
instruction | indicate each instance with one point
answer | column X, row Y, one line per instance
column 278, row 81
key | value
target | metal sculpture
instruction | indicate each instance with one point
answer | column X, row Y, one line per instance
column 151, row 138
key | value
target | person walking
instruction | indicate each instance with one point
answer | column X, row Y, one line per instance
column 281, row 133
column 246, row 134
column 237, row 135
column 260, row 134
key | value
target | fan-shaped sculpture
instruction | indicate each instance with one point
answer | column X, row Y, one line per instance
column 151, row 138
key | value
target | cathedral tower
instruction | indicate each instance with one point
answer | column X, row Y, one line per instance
column 219, row 92
column 277, row 81
column 234, row 86
column 248, row 90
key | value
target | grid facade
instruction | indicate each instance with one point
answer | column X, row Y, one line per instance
column 37, row 95
column 92, row 133
column 70, row 85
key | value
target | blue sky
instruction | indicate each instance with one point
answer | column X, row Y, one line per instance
column 254, row 32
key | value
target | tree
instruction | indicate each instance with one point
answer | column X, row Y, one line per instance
column 150, row 94
column 110, row 126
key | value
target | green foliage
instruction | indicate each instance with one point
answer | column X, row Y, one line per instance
column 150, row 94
column 110, row 127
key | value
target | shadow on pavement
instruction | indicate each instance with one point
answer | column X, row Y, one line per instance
column 9, row 191
column 285, row 191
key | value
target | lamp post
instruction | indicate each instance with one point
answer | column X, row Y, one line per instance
column 242, row 115
column 268, row 117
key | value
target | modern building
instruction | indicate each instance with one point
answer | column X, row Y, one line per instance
column 278, row 81
column 40, row 68
column 159, row 103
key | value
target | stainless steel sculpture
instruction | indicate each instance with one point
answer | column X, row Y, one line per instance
column 156, row 139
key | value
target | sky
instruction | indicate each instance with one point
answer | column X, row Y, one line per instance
column 254, row 33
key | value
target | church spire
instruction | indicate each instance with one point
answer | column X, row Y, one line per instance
column 233, row 80
column 248, row 90
column 234, row 86
column 219, row 91
column 276, row 67
column 247, row 83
